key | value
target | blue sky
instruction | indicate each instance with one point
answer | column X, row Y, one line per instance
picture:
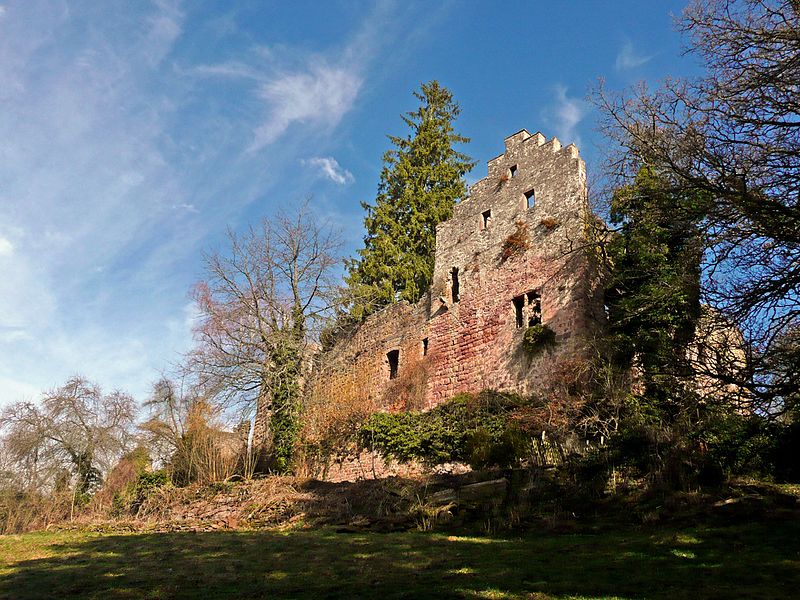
column 133, row 133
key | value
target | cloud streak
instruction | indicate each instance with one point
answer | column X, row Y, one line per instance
column 115, row 150
column 319, row 97
column 628, row 58
column 329, row 168
column 309, row 93
column 86, row 187
column 565, row 114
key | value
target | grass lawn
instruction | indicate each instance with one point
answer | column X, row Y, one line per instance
column 747, row 560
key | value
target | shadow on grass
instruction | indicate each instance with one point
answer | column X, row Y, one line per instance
column 748, row 560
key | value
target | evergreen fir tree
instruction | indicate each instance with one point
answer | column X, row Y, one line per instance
column 420, row 181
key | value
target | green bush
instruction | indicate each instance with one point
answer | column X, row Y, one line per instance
column 468, row 428
column 754, row 446
column 135, row 494
column 538, row 337
column 504, row 449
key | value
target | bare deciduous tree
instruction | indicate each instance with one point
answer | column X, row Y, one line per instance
column 185, row 433
column 733, row 134
column 261, row 304
column 76, row 432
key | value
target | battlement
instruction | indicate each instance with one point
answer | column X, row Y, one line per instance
column 535, row 180
column 531, row 150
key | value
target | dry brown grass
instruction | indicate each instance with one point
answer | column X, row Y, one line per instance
column 409, row 390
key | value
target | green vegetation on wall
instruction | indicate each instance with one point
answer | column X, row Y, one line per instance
column 537, row 337
column 476, row 429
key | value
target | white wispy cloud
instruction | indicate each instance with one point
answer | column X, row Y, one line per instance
column 319, row 97
column 565, row 114
column 232, row 69
column 86, row 187
column 628, row 58
column 117, row 173
column 295, row 89
column 165, row 26
column 12, row 389
column 186, row 206
column 329, row 167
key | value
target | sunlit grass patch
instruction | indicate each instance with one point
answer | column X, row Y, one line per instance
column 476, row 540
column 753, row 559
column 683, row 538
column 489, row 594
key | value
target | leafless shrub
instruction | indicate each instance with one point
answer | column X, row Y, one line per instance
column 338, row 403
column 409, row 390
column 516, row 243
column 187, row 434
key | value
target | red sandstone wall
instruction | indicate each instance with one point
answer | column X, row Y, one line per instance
column 476, row 340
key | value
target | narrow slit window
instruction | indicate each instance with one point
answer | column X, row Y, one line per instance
column 530, row 199
column 486, row 217
column 425, row 347
column 455, row 291
column 519, row 307
column 512, row 170
column 702, row 355
column 534, row 309
column 393, row 356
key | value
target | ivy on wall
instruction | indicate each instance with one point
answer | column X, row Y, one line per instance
column 477, row 429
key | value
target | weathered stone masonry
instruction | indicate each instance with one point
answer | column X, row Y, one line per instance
column 466, row 334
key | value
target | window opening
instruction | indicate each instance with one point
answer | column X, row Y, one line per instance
column 519, row 306
column 527, row 309
column 425, row 347
column 530, row 199
column 486, row 217
column 393, row 356
column 512, row 170
column 455, row 291
column 534, row 309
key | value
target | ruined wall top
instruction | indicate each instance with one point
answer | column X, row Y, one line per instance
column 466, row 333
column 536, row 182
column 529, row 159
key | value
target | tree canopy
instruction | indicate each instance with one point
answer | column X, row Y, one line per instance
column 259, row 304
column 73, row 436
column 732, row 135
column 653, row 296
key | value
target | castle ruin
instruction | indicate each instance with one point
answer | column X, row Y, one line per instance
column 513, row 255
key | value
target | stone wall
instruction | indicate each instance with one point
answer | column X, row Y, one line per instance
column 468, row 336
column 360, row 362
column 476, row 338
column 371, row 465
